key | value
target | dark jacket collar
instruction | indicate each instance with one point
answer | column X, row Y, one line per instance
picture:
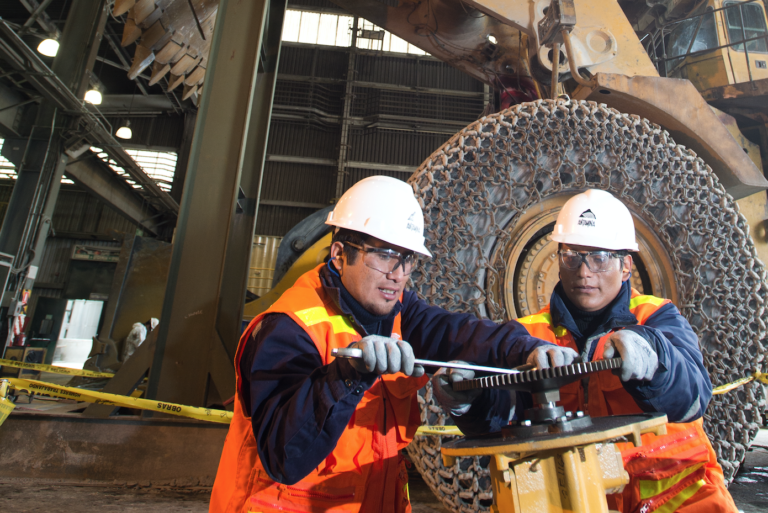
column 616, row 315
column 332, row 285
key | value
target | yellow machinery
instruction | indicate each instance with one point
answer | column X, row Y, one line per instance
column 705, row 48
column 553, row 461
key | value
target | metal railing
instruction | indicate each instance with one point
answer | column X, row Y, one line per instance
column 660, row 38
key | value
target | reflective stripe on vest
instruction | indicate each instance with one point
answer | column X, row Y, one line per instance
column 650, row 488
column 673, row 486
column 352, row 477
column 678, row 500
column 318, row 314
column 544, row 317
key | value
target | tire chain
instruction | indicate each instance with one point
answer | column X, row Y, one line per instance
column 473, row 189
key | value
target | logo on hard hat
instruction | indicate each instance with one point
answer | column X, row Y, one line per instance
column 587, row 218
column 410, row 224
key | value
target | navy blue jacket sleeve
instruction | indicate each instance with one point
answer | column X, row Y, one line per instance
column 488, row 414
column 681, row 387
column 298, row 406
column 436, row 334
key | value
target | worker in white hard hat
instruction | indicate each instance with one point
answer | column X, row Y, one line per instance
column 595, row 311
column 316, row 433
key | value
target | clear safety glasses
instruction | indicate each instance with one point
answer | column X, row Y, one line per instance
column 387, row 260
column 597, row 261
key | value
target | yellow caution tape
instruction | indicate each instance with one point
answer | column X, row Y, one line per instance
column 760, row 376
column 54, row 369
column 439, row 430
column 194, row 412
column 79, row 394
column 6, row 406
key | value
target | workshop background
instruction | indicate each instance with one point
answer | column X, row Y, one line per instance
column 98, row 231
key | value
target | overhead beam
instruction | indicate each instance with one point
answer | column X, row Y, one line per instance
column 93, row 175
column 10, row 103
column 40, row 17
column 16, row 52
column 295, row 204
column 39, row 10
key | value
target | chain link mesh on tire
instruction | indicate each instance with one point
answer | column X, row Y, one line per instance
column 474, row 188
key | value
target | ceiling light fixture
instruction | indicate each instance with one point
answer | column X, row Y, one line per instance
column 125, row 132
column 93, row 96
column 48, row 47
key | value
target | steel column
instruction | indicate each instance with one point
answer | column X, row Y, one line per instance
column 205, row 294
column 190, row 120
column 42, row 165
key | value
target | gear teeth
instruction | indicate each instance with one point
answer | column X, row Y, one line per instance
column 502, row 380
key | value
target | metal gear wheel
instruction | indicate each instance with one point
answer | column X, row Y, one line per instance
column 490, row 196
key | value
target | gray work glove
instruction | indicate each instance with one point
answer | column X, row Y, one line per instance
column 558, row 355
column 639, row 359
column 384, row 355
column 449, row 399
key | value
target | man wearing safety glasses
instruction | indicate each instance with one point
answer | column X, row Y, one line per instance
column 316, row 433
column 595, row 311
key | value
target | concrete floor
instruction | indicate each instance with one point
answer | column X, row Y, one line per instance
column 749, row 490
column 46, row 496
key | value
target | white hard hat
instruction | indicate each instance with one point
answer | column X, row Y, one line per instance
column 385, row 208
column 595, row 218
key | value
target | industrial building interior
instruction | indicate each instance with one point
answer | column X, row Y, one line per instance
column 166, row 168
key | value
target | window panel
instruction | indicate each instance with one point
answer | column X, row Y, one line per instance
column 680, row 38
column 344, row 31
column 308, row 28
column 328, row 27
column 754, row 26
column 291, row 25
column 336, row 30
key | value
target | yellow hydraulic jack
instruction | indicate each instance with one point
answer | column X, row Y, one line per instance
column 554, row 461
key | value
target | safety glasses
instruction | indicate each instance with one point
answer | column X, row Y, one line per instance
column 597, row 261
column 387, row 260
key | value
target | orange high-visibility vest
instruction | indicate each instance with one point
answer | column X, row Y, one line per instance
column 674, row 472
column 365, row 472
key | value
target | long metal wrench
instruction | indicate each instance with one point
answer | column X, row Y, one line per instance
column 355, row 353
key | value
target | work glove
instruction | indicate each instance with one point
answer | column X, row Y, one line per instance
column 384, row 355
column 449, row 399
column 557, row 355
column 639, row 359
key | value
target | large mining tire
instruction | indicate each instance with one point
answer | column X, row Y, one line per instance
column 490, row 197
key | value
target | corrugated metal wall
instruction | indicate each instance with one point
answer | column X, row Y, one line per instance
column 289, row 181
column 277, row 220
column 78, row 218
column 303, row 139
column 413, row 71
column 390, row 126
column 78, row 212
column 392, row 147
